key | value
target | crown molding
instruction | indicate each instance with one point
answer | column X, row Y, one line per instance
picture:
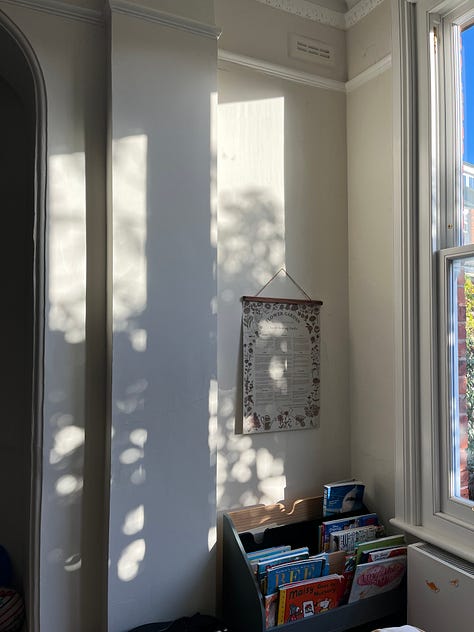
column 360, row 11
column 308, row 10
column 323, row 15
column 367, row 75
column 126, row 7
column 60, row 9
column 282, row 72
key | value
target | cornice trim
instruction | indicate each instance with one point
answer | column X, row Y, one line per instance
column 125, row 7
column 371, row 73
column 60, row 9
column 309, row 11
column 282, row 72
column 325, row 16
column 360, row 11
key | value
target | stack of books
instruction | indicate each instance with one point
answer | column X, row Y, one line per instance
column 373, row 563
column 294, row 584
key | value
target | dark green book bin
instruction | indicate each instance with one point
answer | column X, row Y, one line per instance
column 293, row 523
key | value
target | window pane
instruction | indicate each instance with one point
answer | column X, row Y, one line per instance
column 462, row 377
column 467, row 89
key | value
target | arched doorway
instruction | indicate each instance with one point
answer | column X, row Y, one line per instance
column 22, row 195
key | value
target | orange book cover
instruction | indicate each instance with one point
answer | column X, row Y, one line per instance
column 310, row 597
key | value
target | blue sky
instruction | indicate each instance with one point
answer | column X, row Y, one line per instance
column 468, row 98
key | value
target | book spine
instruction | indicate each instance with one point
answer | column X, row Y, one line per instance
column 281, row 607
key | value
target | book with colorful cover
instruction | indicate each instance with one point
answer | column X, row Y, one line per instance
column 348, row 539
column 256, row 556
column 310, row 597
column 293, row 572
column 290, row 556
column 343, row 497
column 270, row 551
column 348, row 573
column 271, row 609
column 378, row 577
column 339, row 524
column 383, row 554
column 371, row 545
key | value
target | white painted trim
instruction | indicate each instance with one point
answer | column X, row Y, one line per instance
column 306, row 78
column 405, row 133
column 371, row 73
column 126, row 7
column 60, row 9
column 309, row 11
column 282, row 72
column 443, row 542
column 325, row 16
column 360, row 11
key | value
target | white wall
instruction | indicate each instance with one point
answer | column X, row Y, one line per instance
column 287, row 207
column 282, row 201
column 162, row 501
column 262, row 32
column 371, row 308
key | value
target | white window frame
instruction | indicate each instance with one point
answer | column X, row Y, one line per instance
column 426, row 150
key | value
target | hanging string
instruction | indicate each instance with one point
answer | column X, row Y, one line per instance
column 291, row 279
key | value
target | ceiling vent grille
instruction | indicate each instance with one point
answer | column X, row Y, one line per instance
column 301, row 47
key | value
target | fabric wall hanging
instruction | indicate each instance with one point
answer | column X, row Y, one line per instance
column 281, row 364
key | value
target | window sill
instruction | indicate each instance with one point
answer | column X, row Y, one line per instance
column 434, row 538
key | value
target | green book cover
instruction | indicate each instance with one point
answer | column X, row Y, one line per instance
column 379, row 543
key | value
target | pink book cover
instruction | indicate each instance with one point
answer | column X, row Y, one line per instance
column 378, row 577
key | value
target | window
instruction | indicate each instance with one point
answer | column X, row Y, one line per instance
column 452, row 58
column 436, row 118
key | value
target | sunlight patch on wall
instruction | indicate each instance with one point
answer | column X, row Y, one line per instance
column 251, row 179
column 131, row 455
column 211, row 538
column 68, row 485
column 212, row 434
column 134, row 521
column 67, row 245
column 139, row 437
column 213, row 191
column 130, row 559
column 66, row 441
column 129, row 155
column 251, row 225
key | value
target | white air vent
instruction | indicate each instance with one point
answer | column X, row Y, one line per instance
column 308, row 49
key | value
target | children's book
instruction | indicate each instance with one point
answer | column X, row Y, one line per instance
column 256, row 556
column 343, row 497
column 271, row 609
column 378, row 577
column 290, row 556
column 348, row 539
column 390, row 540
column 310, row 597
column 293, row 572
column 273, row 550
column 330, row 526
column 383, row 554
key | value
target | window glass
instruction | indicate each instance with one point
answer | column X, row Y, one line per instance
column 461, row 317
column 467, row 92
